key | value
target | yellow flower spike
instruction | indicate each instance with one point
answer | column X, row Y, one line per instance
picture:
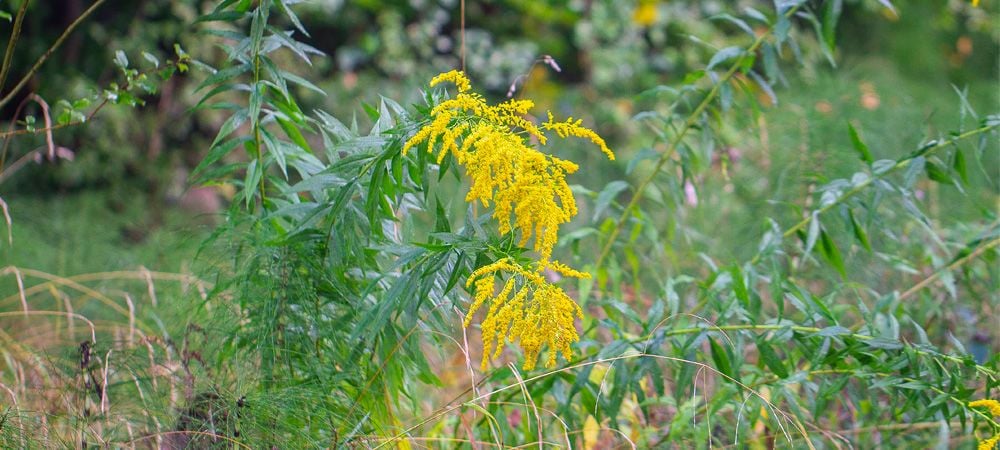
column 456, row 77
column 567, row 271
column 989, row 444
column 529, row 194
column 571, row 128
column 991, row 405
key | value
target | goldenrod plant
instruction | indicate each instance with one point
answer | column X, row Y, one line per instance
column 493, row 144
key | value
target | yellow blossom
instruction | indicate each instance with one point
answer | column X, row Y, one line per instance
column 571, row 128
column 992, row 406
column 528, row 310
column 502, row 165
column 456, row 77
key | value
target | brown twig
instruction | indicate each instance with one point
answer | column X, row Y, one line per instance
column 45, row 56
column 462, row 33
column 8, row 56
column 958, row 262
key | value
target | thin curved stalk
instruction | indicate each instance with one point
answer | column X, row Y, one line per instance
column 45, row 56
column 901, row 164
column 692, row 119
column 15, row 33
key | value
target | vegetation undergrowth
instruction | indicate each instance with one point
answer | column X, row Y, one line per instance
column 342, row 312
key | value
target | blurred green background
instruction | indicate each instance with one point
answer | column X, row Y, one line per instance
column 897, row 70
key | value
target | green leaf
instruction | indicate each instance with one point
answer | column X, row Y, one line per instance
column 832, row 254
column 831, row 15
column 252, row 180
column 937, row 173
column 223, row 75
column 294, row 134
column 835, row 330
column 724, row 55
column 883, row 343
column 120, row 59
column 230, row 125
column 859, row 231
column 814, row 228
column 959, row 166
column 740, row 23
column 771, row 358
column 722, row 361
column 221, row 16
column 293, row 18
column 859, row 146
column 607, row 195
column 739, row 287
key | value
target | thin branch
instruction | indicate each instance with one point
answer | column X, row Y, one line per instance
column 950, row 267
column 692, row 119
column 462, row 33
column 8, row 56
column 45, row 56
column 902, row 163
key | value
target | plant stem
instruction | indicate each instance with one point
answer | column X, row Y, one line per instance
column 45, row 56
column 958, row 262
column 675, row 143
column 15, row 33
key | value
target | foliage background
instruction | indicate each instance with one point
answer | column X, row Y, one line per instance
column 114, row 207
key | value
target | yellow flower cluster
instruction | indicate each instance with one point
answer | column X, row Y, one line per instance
column 993, row 407
column 504, row 168
column 530, row 196
column 528, row 310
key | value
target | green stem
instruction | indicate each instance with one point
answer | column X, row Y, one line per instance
column 256, row 133
column 692, row 119
column 959, row 262
column 902, row 163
